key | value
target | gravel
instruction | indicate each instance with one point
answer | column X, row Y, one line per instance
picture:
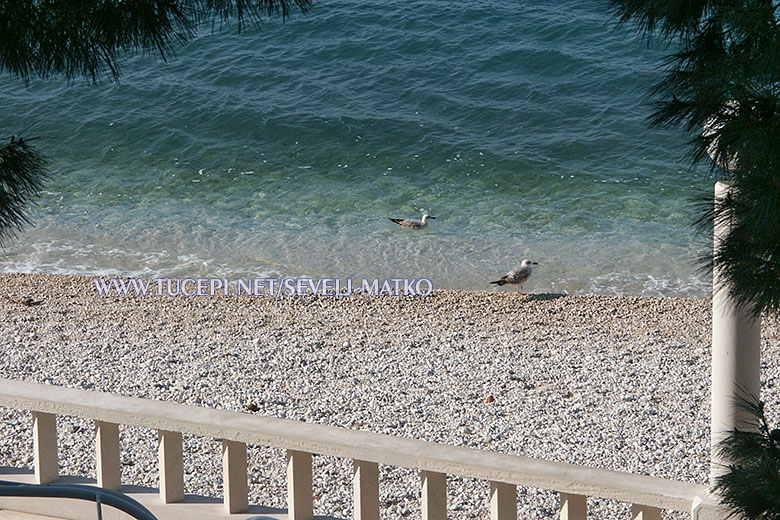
column 611, row 382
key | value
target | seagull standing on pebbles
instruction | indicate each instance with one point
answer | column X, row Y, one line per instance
column 412, row 223
column 517, row 276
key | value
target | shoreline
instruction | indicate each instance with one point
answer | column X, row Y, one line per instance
column 295, row 287
column 613, row 382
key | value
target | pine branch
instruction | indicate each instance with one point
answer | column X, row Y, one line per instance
column 22, row 172
column 750, row 487
column 723, row 87
column 74, row 38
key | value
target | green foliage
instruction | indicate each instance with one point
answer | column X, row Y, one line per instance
column 750, row 258
column 751, row 487
column 22, row 171
column 723, row 87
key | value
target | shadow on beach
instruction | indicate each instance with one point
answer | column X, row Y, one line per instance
column 545, row 296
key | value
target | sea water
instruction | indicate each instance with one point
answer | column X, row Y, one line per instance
column 281, row 151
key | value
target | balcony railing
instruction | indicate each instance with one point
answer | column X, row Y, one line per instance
column 647, row 495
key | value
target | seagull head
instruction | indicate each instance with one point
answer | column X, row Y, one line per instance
column 526, row 262
column 426, row 217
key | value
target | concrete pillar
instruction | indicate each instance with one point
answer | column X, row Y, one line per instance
column 434, row 496
column 736, row 358
column 573, row 507
column 503, row 501
column 708, row 507
column 365, row 485
column 109, row 473
column 300, row 505
column 234, row 477
column 639, row 512
column 171, row 466
column 45, row 447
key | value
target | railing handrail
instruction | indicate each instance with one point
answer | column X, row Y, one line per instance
column 95, row 494
column 352, row 444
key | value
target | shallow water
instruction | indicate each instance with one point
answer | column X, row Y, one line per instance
column 281, row 152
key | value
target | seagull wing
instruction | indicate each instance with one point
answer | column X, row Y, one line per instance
column 502, row 281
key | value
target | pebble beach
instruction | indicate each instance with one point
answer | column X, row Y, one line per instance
column 611, row 382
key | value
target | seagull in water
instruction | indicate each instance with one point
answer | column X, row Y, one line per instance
column 412, row 223
column 517, row 276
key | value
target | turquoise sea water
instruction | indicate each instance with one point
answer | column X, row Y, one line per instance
column 520, row 125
